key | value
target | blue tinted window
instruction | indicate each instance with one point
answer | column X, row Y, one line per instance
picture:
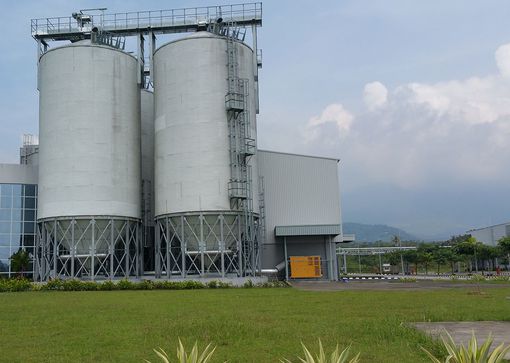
column 29, row 215
column 16, row 227
column 16, row 238
column 29, row 240
column 4, row 265
column 6, row 189
column 16, row 189
column 5, row 253
column 29, row 227
column 16, row 244
column 17, row 202
column 5, row 202
column 30, row 190
column 5, row 227
column 16, row 214
column 30, row 203
column 5, row 214
column 5, row 240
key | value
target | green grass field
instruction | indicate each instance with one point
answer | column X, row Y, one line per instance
column 247, row 325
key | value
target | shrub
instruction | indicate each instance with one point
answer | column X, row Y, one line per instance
column 195, row 356
column 167, row 285
column 224, row 285
column 15, row 285
column 145, row 285
column 90, row 286
column 470, row 354
column 54, row 284
column 336, row 356
column 72, row 285
column 125, row 284
column 273, row 284
column 191, row 284
column 213, row 284
column 248, row 284
column 107, row 286
column 7, row 285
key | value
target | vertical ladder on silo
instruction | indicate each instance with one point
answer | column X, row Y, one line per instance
column 242, row 147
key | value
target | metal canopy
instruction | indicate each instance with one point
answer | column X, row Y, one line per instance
column 369, row 251
column 157, row 22
column 308, row 230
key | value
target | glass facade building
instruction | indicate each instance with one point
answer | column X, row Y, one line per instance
column 18, row 215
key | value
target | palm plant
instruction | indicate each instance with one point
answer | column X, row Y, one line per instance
column 473, row 353
column 182, row 357
column 336, row 356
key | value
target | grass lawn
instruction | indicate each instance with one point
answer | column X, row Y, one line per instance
column 247, row 325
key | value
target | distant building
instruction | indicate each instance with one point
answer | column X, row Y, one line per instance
column 490, row 235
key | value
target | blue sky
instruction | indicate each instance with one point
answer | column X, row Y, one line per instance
column 412, row 96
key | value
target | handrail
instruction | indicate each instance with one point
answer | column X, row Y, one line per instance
column 154, row 19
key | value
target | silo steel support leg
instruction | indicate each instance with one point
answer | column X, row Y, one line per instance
column 93, row 250
column 73, row 248
column 201, row 245
column 111, row 247
column 136, row 267
column 183, row 248
column 157, row 250
column 222, row 246
column 54, row 248
column 139, row 248
column 126, row 250
column 38, row 252
column 168, row 249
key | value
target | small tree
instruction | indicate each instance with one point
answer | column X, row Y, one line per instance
column 440, row 257
column 425, row 258
column 468, row 248
column 20, row 261
column 504, row 244
column 411, row 256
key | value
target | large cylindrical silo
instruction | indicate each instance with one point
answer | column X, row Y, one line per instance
column 202, row 227
column 89, row 205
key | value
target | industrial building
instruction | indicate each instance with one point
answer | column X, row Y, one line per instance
column 147, row 163
column 492, row 234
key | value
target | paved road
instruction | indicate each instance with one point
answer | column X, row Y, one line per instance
column 461, row 331
column 389, row 285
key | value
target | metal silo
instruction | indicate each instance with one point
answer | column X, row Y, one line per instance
column 89, row 206
column 205, row 167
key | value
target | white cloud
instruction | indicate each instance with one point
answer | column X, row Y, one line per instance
column 450, row 132
column 333, row 115
column 503, row 59
column 375, row 95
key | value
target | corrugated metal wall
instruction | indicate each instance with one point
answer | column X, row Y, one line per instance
column 299, row 190
column 492, row 234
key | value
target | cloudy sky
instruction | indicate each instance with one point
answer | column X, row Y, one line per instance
column 412, row 96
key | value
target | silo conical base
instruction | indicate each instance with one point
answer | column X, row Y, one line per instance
column 88, row 248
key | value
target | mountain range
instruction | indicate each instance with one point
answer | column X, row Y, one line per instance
column 376, row 232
